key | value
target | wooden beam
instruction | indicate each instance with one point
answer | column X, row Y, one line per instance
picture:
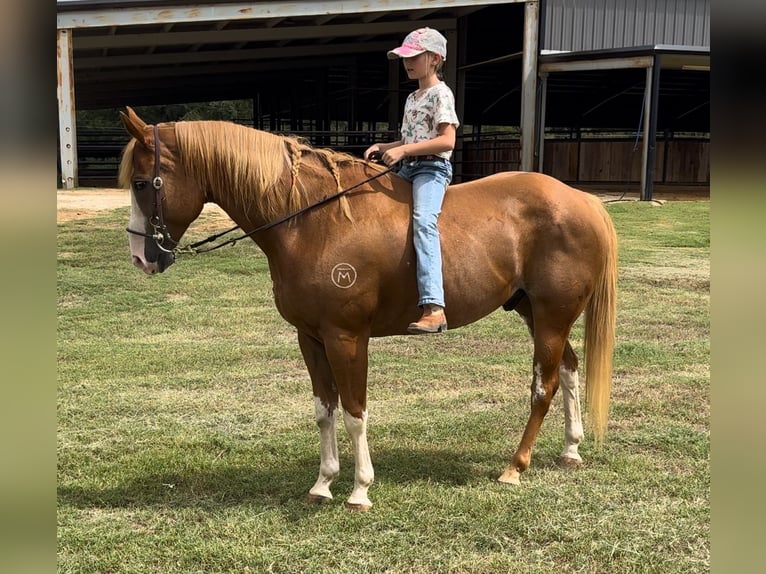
column 598, row 64
column 67, row 122
column 209, row 12
column 230, row 55
column 251, row 34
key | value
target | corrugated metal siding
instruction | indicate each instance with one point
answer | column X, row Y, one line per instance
column 581, row 25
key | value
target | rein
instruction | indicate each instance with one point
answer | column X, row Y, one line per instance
column 194, row 247
column 161, row 233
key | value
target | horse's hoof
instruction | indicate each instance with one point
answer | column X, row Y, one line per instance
column 510, row 477
column 356, row 507
column 316, row 499
column 569, row 463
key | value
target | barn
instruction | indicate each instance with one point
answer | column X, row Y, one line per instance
column 594, row 92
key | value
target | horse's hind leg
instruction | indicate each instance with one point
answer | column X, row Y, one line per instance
column 570, row 389
column 550, row 339
column 325, row 413
column 573, row 432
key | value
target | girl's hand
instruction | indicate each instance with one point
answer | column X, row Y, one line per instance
column 373, row 149
column 393, row 155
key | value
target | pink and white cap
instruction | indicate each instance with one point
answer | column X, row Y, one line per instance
column 419, row 41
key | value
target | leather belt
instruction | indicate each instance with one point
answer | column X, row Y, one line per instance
column 425, row 158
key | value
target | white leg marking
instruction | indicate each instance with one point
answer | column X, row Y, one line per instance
column 363, row 472
column 329, row 465
column 538, row 391
column 573, row 433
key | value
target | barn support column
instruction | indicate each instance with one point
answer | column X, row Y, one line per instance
column 651, row 101
column 450, row 66
column 455, row 79
column 529, row 84
column 67, row 121
column 541, row 123
column 321, row 110
column 353, row 81
column 394, row 114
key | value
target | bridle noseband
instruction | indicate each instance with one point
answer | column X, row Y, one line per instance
column 161, row 235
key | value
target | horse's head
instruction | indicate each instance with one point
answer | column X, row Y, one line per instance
column 164, row 199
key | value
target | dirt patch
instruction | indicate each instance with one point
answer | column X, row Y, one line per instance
column 82, row 204
column 85, row 203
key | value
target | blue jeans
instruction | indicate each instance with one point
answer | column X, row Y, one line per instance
column 429, row 179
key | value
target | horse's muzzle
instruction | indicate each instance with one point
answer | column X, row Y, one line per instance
column 163, row 261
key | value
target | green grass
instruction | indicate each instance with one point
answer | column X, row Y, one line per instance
column 186, row 440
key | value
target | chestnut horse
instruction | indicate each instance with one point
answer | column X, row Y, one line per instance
column 343, row 270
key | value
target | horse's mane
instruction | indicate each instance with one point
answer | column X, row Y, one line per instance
column 125, row 174
column 259, row 167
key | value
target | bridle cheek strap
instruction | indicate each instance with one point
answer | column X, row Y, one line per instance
column 157, row 219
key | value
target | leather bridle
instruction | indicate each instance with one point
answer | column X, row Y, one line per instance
column 161, row 234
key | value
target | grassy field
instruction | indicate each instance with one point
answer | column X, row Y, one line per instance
column 186, row 440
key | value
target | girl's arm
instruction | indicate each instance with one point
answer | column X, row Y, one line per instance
column 445, row 141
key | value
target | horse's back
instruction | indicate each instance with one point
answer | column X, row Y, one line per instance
column 526, row 202
column 525, row 187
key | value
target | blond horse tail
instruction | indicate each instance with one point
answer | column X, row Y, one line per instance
column 600, row 318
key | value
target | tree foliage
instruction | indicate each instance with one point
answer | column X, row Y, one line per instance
column 240, row 111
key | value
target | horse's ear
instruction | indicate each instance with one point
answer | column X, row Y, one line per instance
column 133, row 124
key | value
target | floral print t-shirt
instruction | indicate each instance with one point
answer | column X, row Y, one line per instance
column 425, row 110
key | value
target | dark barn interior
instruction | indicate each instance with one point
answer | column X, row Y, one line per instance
column 328, row 78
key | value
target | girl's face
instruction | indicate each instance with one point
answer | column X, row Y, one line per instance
column 421, row 66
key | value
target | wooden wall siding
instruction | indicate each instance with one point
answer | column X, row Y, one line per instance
column 560, row 159
column 488, row 157
column 611, row 161
column 687, row 161
column 598, row 161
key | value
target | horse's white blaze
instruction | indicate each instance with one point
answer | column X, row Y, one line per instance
column 573, row 433
column 329, row 465
column 136, row 242
column 538, row 391
column 363, row 473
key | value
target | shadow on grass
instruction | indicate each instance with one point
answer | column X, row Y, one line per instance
column 224, row 485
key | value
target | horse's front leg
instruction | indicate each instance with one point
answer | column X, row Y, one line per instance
column 364, row 474
column 347, row 354
column 325, row 414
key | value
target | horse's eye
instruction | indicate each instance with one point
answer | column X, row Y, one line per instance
column 140, row 184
